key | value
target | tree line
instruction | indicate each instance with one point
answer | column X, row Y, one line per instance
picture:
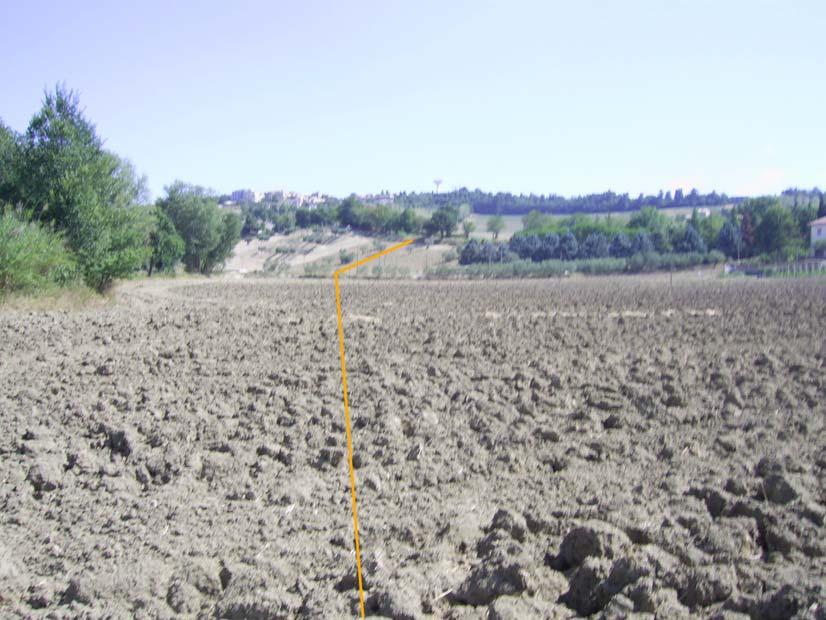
column 261, row 219
column 762, row 228
column 74, row 211
column 505, row 203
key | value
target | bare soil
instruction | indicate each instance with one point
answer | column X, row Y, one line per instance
column 545, row 449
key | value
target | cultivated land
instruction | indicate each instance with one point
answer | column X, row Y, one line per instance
column 523, row 449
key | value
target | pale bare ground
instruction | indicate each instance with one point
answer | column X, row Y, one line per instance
column 513, row 224
column 252, row 255
column 291, row 255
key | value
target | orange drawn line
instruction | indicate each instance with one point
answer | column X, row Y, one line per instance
column 347, row 404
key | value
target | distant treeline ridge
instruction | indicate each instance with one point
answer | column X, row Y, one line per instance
column 505, row 203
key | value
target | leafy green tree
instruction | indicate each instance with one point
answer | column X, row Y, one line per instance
column 641, row 243
column 495, row 225
column 568, row 246
column 730, row 240
column 802, row 215
column 648, row 218
column 166, row 244
column 468, row 227
column 10, row 160
column 710, row 227
column 443, row 222
column 691, row 241
column 533, row 221
column 69, row 181
column 595, row 246
column 351, row 213
column 748, row 234
column 230, row 233
column 408, row 222
column 776, row 230
column 821, row 209
column 208, row 234
column 620, row 246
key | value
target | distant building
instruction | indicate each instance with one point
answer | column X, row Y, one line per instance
column 384, row 198
column 314, row 200
column 294, row 199
column 274, row 196
column 245, row 195
column 818, row 228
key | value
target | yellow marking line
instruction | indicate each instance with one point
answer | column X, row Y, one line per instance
column 338, row 272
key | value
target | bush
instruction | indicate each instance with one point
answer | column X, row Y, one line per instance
column 648, row 261
column 32, row 257
column 476, row 251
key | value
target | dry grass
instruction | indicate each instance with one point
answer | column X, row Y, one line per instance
column 71, row 299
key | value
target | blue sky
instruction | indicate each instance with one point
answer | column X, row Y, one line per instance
column 570, row 98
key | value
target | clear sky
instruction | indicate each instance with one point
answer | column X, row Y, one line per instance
column 356, row 96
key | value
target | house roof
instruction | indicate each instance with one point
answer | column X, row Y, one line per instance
column 821, row 221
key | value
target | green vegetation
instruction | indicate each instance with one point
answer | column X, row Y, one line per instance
column 78, row 214
column 72, row 212
column 637, row 263
column 762, row 227
column 495, row 226
column 208, row 233
column 32, row 257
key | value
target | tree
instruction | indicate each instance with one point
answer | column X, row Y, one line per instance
column 10, row 160
column 351, row 212
column 496, row 225
column 641, row 243
column 408, row 222
column 821, row 209
column 548, row 247
column 776, row 230
column 533, row 220
column 568, row 246
column 648, row 218
column 620, row 246
column 69, row 181
column 747, row 233
column 166, row 244
column 595, row 246
column 691, row 241
column 230, row 233
column 208, row 234
column 468, row 227
column 730, row 240
column 442, row 222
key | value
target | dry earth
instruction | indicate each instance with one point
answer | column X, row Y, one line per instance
column 548, row 449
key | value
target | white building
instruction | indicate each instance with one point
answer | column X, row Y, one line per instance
column 818, row 228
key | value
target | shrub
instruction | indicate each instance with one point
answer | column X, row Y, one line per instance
column 32, row 257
